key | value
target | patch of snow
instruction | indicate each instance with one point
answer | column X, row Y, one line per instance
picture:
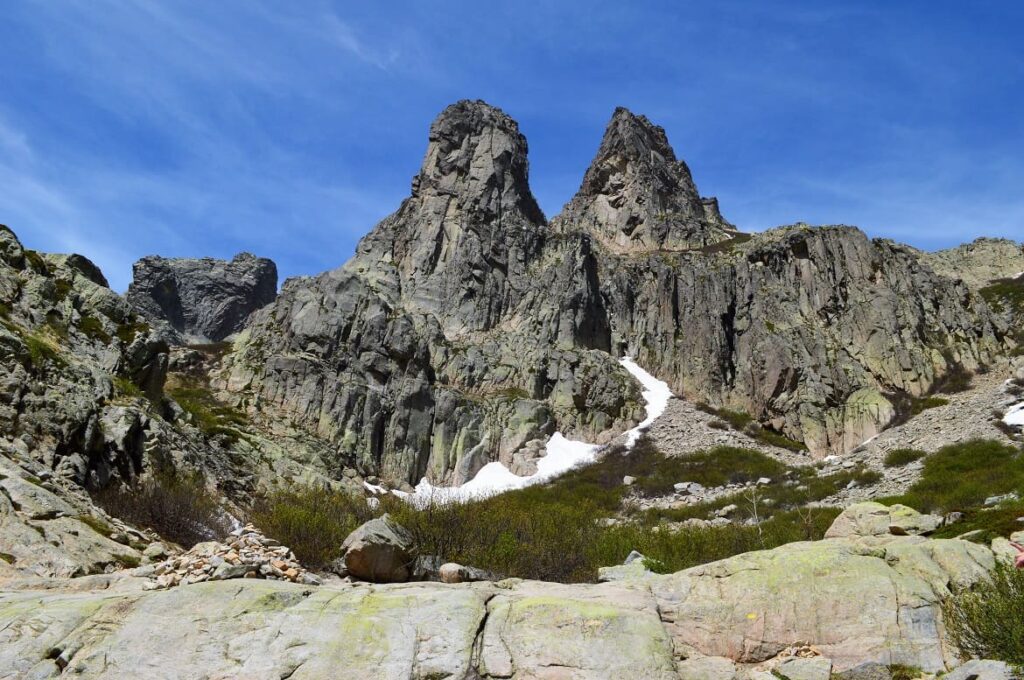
column 1015, row 416
column 561, row 454
column 374, row 488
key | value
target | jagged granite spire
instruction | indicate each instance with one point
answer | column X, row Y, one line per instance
column 471, row 224
column 636, row 195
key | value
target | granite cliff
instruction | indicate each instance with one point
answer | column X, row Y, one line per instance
column 467, row 325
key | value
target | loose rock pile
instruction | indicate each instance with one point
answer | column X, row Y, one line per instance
column 246, row 554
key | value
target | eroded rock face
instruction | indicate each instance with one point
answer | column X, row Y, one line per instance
column 637, row 196
column 202, row 300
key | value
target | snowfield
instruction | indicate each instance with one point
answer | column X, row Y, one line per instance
column 1015, row 416
column 561, row 454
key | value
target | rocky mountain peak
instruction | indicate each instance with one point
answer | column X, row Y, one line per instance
column 201, row 300
column 636, row 195
column 477, row 155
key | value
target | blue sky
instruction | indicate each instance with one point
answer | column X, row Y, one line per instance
column 289, row 129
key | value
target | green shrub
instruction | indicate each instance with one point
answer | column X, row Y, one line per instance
column 36, row 263
column 986, row 622
column 1005, row 294
column 209, row 415
column 7, row 557
column 311, row 520
column 62, row 288
column 93, row 329
column 96, row 524
column 124, row 387
column 177, row 506
column 901, row 457
column 961, row 476
column 41, row 352
column 127, row 332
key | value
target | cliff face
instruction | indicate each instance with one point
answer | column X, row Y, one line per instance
column 466, row 326
column 201, row 300
column 459, row 331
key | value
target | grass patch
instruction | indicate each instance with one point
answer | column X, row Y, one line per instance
column 179, row 507
column 124, row 387
column 1005, row 295
column 36, row 262
column 61, row 288
column 312, row 521
column 96, row 524
column 41, row 352
column 901, row 457
column 93, row 329
column 209, row 415
column 961, row 476
column 985, row 622
column 127, row 332
column 128, row 561
column 727, row 247
column 7, row 557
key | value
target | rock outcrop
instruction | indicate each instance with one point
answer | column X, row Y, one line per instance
column 202, row 300
column 637, row 196
column 979, row 262
column 839, row 603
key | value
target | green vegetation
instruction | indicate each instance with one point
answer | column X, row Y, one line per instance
column 557, row 531
column 921, row 404
column 127, row 332
column 744, row 422
column 62, row 288
column 93, row 329
column 900, row 672
column 128, row 561
column 901, row 457
column 36, row 263
column 215, row 350
column 1005, row 295
column 7, row 557
column 960, row 477
column 727, row 247
column 314, row 519
column 208, row 414
column 985, row 622
column 177, row 506
column 124, row 387
column 96, row 524
column 41, row 351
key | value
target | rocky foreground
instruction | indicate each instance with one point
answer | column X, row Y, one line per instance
column 866, row 597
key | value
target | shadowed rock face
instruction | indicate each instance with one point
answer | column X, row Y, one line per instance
column 466, row 326
column 636, row 196
column 202, row 300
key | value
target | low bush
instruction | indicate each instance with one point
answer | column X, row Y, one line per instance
column 209, row 415
column 124, row 387
column 127, row 332
column 961, row 476
column 93, row 329
column 179, row 507
column 744, row 422
column 311, row 520
column 985, row 622
column 41, row 352
column 901, row 457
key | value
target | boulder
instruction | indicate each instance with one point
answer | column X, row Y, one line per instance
column 811, row 668
column 457, row 573
column 707, row 668
column 978, row 669
column 381, row 551
column 875, row 519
